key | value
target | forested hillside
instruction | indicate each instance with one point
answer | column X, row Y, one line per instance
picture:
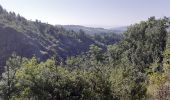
column 27, row 38
column 39, row 61
column 136, row 68
column 93, row 31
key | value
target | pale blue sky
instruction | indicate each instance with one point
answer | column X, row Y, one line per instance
column 97, row 13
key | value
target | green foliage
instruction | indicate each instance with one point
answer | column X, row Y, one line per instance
column 142, row 46
column 159, row 82
column 49, row 80
column 96, row 53
column 146, row 41
column 8, row 80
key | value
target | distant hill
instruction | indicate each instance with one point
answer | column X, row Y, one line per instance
column 92, row 31
column 33, row 38
column 119, row 29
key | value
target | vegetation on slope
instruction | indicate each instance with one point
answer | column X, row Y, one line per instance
column 27, row 38
column 130, row 70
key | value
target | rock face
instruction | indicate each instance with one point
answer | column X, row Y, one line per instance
column 28, row 38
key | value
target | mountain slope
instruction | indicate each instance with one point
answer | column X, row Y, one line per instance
column 92, row 31
column 27, row 38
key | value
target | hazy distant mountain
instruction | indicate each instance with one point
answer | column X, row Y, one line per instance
column 119, row 29
column 91, row 30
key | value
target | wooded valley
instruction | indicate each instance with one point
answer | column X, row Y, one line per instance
column 40, row 61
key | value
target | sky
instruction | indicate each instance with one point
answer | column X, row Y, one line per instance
column 94, row 13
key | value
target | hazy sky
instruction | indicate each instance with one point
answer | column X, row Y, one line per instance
column 98, row 13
